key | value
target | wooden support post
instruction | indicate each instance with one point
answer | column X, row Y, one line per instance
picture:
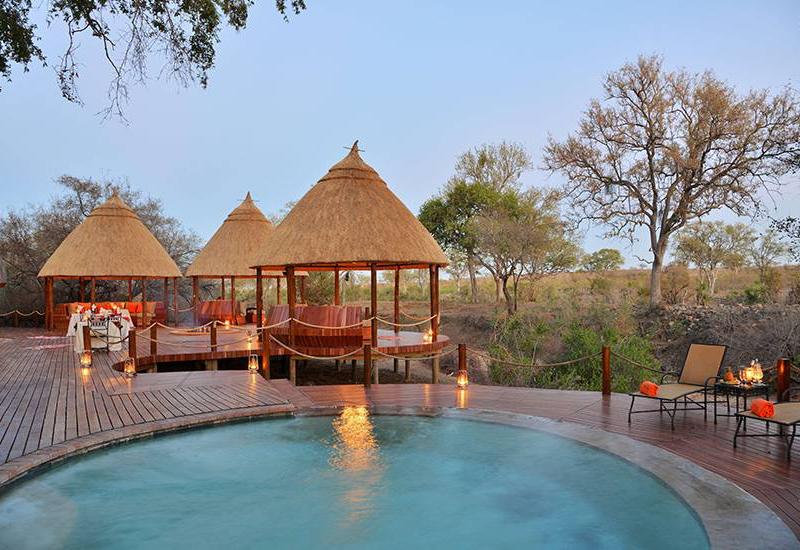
column 87, row 338
column 302, row 290
column 213, row 333
column 462, row 357
column 48, row 303
column 408, row 370
column 265, row 353
column 83, row 290
column 130, row 289
column 92, row 285
column 396, row 309
column 353, row 365
column 154, row 340
column 336, row 286
column 606, row 387
column 234, row 320
column 367, row 365
column 195, row 297
column 291, row 296
column 166, row 300
column 222, row 282
column 433, row 276
column 144, row 302
column 293, row 370
column 259, row 299
column 175, row 301
column 278, row 291
column 435, row 370
column 373, row 301
column 132, row 342
column 784, row 370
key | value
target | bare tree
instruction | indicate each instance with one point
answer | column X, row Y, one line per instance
column 710, row 245
column 666, row 148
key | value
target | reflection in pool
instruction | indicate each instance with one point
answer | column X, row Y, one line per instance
column 349, row 481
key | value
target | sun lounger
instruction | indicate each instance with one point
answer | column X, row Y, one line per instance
column 699, row 372
column 787, row 415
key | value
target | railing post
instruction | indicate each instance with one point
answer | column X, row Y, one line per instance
column 367, row 365
column 154, row 340
column 264, row 352
column 462, row 357
column 16, row 318
column 606, row 370
column 784, row 378
column 87, row 338
column 132, row 342
column 213, row 333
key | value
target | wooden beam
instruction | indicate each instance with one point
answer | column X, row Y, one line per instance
column 83, row 293
column 260, row 304
column 264, row 351
column 144, row 302
column 433, row 279
column 606, row 378
column 195, row 296
column 373, row 301
column 302, row 290
column 48, row 303
column 396, row 362
column 336, row 286
column 222, row 295
column 92, row 290
column 175, row 300
column 130, row 289
column 234, row 320
column 291, row 296
column 166, row 300
column 278, row 291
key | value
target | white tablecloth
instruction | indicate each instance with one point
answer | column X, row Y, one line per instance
column 115, row 333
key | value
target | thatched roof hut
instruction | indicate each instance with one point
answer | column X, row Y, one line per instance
column 350, row 219
column 235, row 246
column 111, row 243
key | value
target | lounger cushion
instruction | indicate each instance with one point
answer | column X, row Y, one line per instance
column 672, row 391
column 702, row 362
column 785, row 413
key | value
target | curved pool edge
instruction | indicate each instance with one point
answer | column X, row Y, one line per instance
column 701, row 489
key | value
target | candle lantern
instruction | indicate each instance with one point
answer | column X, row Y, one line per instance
column 462, row 379
column 86, row 358
column 428, row 338
column 227, row 324
column 252, row 363
column 130, row 367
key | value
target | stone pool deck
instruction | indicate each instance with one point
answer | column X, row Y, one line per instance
column 50, row 409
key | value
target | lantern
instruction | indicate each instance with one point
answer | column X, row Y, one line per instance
column 252, row 363
column 130, row 367
column 428, row 338
column 462, row 379
column 758, row 373
column 227, row 324
column 86, row 358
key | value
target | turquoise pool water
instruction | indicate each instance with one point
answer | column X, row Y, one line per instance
column 352, row 481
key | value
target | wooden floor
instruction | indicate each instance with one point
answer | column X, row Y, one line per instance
column 45, row 399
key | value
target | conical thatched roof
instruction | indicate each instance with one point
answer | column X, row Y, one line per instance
column 350, row 218
column 235, row 246
column 112, row 242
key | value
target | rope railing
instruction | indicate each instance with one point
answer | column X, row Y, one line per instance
column 417, row 318
column 354, row 325
column 18, row 312
column 531, row 365
column 414, row 324
column 637, row 364
column 321, row 358
column 443, row 353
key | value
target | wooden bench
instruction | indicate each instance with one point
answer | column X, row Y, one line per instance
column 319, row 341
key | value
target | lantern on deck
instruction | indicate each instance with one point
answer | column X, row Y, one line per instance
column 227, row 324
column 428, row 338
column 129, row 367
column 462, row 379
column 252, row 363
column 86, row 358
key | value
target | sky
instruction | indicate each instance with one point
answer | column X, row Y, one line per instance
column 416, row 82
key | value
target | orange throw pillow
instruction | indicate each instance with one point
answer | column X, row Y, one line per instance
column 763, row 408
column 648, row 388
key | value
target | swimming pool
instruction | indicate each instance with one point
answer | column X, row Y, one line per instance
column 355, row 481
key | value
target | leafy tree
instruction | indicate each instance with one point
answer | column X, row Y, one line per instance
column 710, row 245
column 456, row 268
column 666, row 148
column 766, row 251
column 482, row 176
column 182, row 34
column 29, row 236
column 605, row 259
column 523, row 236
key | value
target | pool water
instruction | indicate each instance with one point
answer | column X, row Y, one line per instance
column 353, row 481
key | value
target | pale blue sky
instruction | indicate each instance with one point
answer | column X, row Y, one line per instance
column 417, row 82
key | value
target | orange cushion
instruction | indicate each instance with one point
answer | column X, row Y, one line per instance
column 648, row 388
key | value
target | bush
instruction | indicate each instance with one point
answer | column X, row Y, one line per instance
column 675, row 284
column 755, row 294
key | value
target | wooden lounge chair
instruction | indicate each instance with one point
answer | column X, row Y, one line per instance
column 787, row 415
column 699, row 373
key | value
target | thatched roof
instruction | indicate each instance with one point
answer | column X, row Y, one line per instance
column 112, row 242
column 235, row 245
column 350, row 219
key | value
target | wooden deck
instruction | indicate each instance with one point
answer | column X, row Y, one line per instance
column 45, row 400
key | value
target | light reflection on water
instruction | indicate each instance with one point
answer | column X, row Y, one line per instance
column 354, row 450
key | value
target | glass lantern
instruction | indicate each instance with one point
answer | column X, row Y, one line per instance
column 86, row 358
column 130, row 367
column 252, row 363
column 462, row 379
